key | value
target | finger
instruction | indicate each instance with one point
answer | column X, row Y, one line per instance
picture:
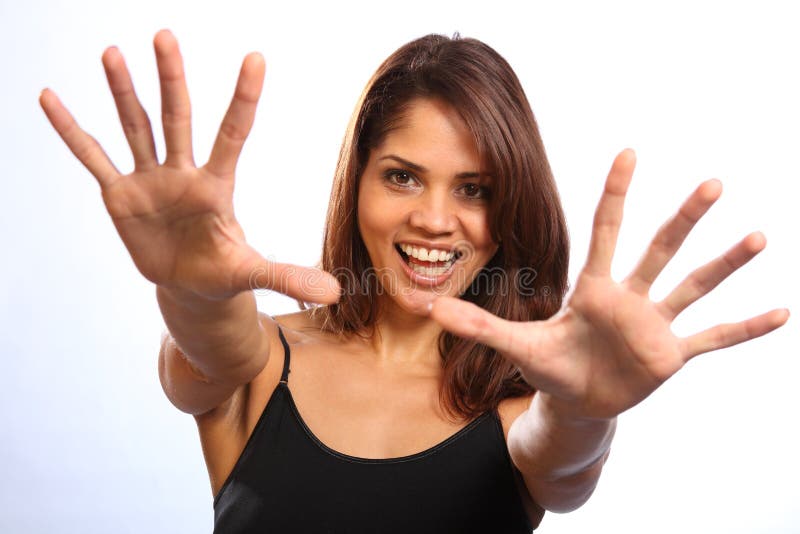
column 301, row 283
column 176, row 110
column 84, row 146
column 727, row 335
column 467, row 320
column 671, row 235
column 239, row 119
column 132, row 115
column 701, row 281
column 608, row 216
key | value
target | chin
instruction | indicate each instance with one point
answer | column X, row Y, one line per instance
column 415, row 300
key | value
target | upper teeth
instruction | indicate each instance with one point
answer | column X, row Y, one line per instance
column 427, row 255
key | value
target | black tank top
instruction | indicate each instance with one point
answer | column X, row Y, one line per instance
column 286, row 481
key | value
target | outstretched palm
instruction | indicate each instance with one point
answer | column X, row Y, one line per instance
column 176, row 219
column 610, row 346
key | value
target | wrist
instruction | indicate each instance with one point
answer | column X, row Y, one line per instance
column 564, row 413
column 187, row 299
column 550, row 443
column 177, row 295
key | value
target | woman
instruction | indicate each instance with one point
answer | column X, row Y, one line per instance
column 406, row 402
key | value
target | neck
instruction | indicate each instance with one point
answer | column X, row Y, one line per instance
column 404, row 339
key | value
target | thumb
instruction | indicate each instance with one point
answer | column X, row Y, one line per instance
column 307, row 284
column 511, row 338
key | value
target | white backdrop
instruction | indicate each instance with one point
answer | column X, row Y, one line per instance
column 700, row 89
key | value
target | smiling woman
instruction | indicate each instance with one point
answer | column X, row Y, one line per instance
column 430, row 390
column 450, row 119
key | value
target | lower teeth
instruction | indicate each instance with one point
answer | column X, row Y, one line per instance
column 430, row 271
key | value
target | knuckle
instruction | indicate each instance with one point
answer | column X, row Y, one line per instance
column 85, row 150
column 178, row 117
column 480, row 326
column 663, row 239
column 729, row 263
column 136, row 123
column 688, row 217
column 697, row 285
column 246, row 96
column 232, row 131
column 134, row 127
column 668, row 309
column 721, row 338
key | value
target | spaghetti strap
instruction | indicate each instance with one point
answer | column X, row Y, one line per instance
column 286, row 357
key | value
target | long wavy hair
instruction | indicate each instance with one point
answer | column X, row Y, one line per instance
column 527, row 278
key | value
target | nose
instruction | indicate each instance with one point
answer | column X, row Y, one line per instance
column 434, row 213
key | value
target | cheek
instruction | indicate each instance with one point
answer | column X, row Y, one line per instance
column 374, row 213
column 478, row 228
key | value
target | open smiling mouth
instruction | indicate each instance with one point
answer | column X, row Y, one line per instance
column 432, row 264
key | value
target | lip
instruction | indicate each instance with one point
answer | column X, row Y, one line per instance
column 420, row 279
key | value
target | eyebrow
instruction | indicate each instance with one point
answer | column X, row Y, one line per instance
column 419, row 168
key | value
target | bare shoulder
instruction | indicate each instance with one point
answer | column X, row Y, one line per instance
column 239, row 407
column 511, row 408
column 300, row 325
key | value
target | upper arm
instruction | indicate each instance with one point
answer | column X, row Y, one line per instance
column 188, row 388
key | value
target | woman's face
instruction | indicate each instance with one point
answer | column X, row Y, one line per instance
column 423, row 203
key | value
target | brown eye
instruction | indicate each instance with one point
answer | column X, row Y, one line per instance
column 398, row 177
column 402, row 177
column 475, row 191
column 472, row 190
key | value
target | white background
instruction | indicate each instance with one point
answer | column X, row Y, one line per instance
column 700, row 89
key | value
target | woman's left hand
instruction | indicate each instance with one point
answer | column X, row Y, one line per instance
column 610, row 346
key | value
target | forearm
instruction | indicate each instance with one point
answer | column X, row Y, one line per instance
column 223, row 339
column 559, row 457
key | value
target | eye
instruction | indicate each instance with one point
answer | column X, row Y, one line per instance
column 475, row 191
column 399, row 177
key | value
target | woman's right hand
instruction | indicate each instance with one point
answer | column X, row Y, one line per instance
column 177, row 219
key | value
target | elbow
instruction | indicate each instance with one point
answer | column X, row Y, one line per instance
column 565, row 502
column 187, row 388
column 566, row 494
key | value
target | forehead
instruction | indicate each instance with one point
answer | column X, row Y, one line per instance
column 431, row 133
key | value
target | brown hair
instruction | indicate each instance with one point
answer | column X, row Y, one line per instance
column 525, row 214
